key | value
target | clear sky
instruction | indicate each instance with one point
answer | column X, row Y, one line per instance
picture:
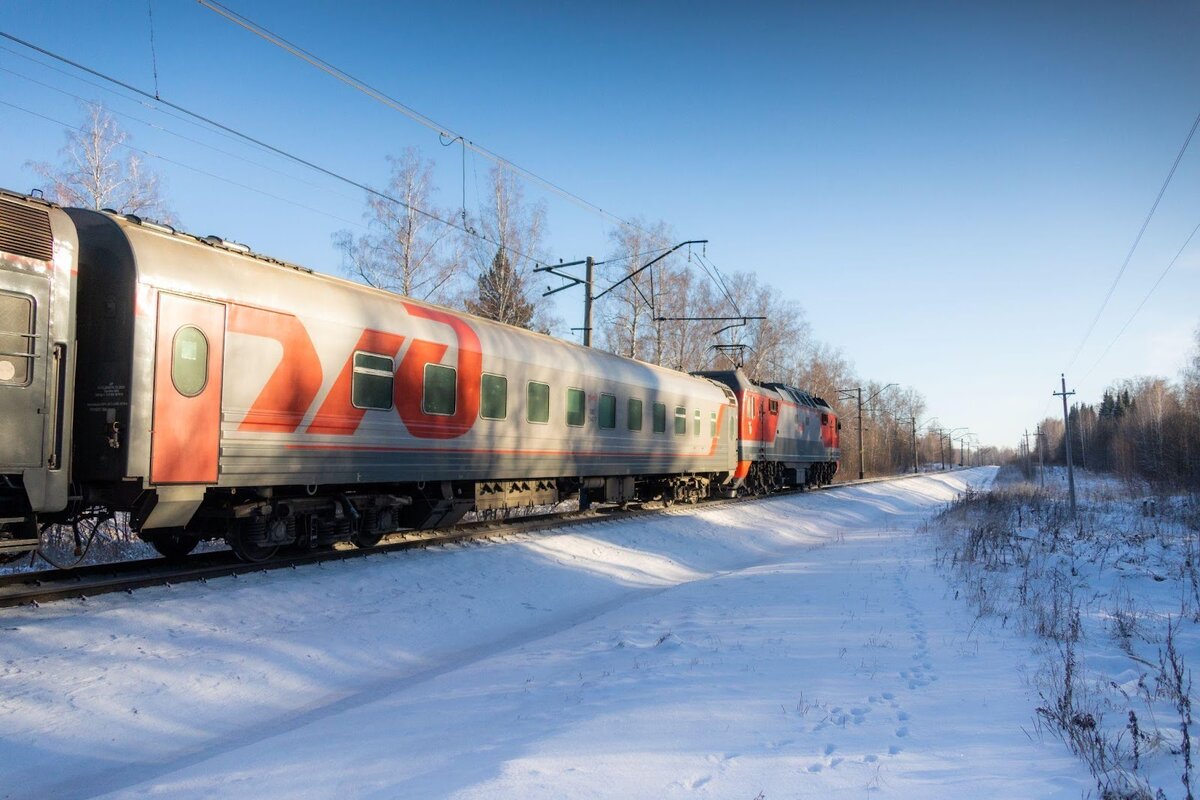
column 948, row 189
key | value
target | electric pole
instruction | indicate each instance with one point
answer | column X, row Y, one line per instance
column 1028, row 457
column 913, row 421
column 845, row 394
column 1041, row 458
column 1064, row 394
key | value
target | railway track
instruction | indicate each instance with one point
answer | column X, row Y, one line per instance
column 36, row 587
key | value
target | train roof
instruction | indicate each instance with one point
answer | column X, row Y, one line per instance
column 159, row 252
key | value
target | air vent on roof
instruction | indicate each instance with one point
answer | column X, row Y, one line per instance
column 25, row 231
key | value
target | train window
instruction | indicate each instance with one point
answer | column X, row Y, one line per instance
column 713, row 425
column 371, row 382
column 608, row 411
column 774, row 406
column 680, row 420
column 660, row 418
column 576, row 407
column 696, row 423
column 634, row 414
column 537, row 402
column 189, row 361
column 441, row 387
column 825, row 419
column 16, row 339
column 493, row 396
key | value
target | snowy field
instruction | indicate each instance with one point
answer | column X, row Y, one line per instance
column 804, row 646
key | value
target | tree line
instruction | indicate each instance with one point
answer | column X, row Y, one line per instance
column 484, row 265
column 1145, row 427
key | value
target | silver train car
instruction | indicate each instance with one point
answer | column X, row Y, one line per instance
column 211, row 392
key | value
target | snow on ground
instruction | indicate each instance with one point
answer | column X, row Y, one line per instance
column 1109, row 606
column 796, row 647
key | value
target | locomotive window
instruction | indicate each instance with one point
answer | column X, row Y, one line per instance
column 441, row 386
column 608, row 411
column 371, row 384
column 696, row 423
column 576, row 407
column 16, row 339
column 660, row 418
column 634, row 414
column 189, row 361
column 537, row 406
column 493, row 396
column 824, row 419
column 713, row 425
column 680, row 420
column 774, row 406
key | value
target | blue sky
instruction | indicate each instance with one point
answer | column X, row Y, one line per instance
column 947, row 188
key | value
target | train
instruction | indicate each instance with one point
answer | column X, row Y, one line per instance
column 208, row 392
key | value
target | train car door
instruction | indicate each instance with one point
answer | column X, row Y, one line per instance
column 188, row 362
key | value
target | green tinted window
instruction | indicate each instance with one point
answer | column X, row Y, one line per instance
column 660, row 418
column 538, row 402
column 713, row 426
column 189, row 361
column 634, row 414
column 680, row 420
column 576, row 407
column 371, row 384
column 493, row 397
column 696, row 423
column 440, row 390
column 608, row 411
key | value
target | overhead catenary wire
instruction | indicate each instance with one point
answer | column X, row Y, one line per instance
column 1137, row 239
column 181, row 164
column 176, row 134
column 272, row 148
column 380, row 96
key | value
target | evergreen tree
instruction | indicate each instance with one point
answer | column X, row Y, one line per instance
column 502, row 294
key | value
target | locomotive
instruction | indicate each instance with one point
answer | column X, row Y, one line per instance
column 209, row 392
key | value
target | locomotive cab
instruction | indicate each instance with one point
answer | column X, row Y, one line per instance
column 38, row 265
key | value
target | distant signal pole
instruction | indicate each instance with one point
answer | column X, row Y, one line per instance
column 1064, row 394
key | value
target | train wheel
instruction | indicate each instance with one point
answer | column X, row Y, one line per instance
column 241, row 539
column 367, row 539
column 173, row 544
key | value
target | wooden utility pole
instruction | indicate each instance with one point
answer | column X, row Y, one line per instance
column 913, row 421
column 1028, row 454
column 1064, row 394
column 1041, row 459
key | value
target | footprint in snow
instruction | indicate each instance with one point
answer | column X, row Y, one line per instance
column 895, row 751
column 902, row 731
column 816, row 768
column 870, row 758
column 829, row 748
column 902, row 716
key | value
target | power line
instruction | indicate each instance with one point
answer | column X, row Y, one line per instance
column 408, row 111
column 1129, row 321
column 176, row 134
column 278, row 151
column 186, row 166
column 1137, row 240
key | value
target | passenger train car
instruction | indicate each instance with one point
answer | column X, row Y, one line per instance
column 214, row 393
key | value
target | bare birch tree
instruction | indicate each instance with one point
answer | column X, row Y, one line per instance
column 628, row 311
column 504, row 264
column 404, row 250
column 98, row 170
